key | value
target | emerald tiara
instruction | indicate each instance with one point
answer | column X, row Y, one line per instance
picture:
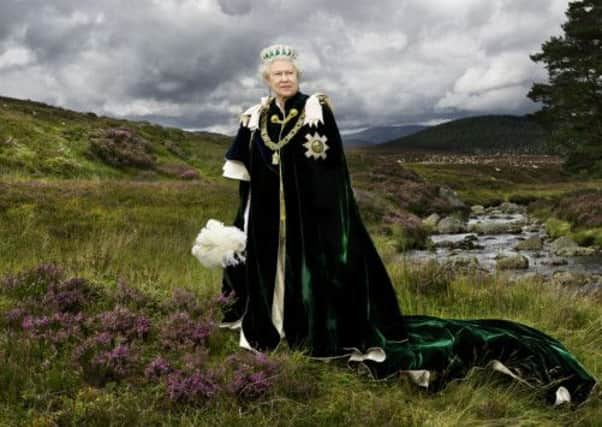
column 277, row 51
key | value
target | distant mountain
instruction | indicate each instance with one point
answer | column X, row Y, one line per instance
column 476, row 135
column 380, row 134
column 37, row 139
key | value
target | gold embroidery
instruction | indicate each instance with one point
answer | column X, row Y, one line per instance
column 291, row 114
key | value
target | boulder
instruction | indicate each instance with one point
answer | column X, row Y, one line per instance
column 450, row 224
column 494, row 227
column 467, row 243
column 431, row 221
column 565, row 246
column 511, row 208
column 477, row 209
column 512, row 262
column 569, row 278
column 534, row 243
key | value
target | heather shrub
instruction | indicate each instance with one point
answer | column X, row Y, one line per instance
column 68, row 296
column 123, row 323
column 581, row 208
column 183, row 300
column 130, row 296
column 31, row 283
column 56, row 328
column 121, row 335
column 102, row 359
column 250, row 376
column 157, row 368
column 196, row 387
column 121, row 147
column 180, row 330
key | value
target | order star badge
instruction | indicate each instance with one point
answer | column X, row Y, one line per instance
column 316, row 146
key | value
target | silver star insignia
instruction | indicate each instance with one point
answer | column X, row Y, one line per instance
column 316, row 146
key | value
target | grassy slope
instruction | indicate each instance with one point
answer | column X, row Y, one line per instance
column 142, row 232
column 37, row 140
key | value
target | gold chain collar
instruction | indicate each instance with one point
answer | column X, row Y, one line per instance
column 274, row 146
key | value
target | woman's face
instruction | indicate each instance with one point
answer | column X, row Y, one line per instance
column 282, row 78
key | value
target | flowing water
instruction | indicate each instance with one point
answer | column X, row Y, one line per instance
column 487, row 247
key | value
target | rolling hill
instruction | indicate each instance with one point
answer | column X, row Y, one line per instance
column 380, row 134
column 476, row 135
column 38, row 140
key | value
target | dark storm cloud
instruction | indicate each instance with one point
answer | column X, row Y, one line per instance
column 193, row 63
column 235, row 7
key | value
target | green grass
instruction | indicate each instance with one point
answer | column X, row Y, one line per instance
column 142, row 232
column 482, row 184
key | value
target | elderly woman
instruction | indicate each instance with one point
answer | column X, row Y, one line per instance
column 313, row 277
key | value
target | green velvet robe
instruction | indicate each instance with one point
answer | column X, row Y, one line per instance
column 338, row 298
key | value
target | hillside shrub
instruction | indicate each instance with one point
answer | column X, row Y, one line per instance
column 121, row 147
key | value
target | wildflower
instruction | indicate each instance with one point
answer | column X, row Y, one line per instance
column 14, row 317
column 70, row 295
column 184, row 300
column 253, row 375
column 181, row 330
column 194, row 388
column 115, row 363
column 195, row 360
column 157, row 368
column 124, row 322
column 129, row 294
column 103, row 338
column 32, row 283
column 226, row 300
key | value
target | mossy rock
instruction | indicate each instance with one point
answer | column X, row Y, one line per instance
column 512, row 262
column 534, row 243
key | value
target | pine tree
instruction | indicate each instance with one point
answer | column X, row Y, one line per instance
column 572, row 100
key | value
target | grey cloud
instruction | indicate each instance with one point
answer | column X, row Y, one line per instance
column 193, row 63
column 235, row 7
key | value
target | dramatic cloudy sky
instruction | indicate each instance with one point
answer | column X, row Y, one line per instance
column 193, row 63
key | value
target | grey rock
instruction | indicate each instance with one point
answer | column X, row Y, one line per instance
column 431, row 220
column 450, row 224
column 511, row 208
column 569, row 278
column 467, row 243
column 512, row 262
column 477, row 209
column 565, row 246
column 534, row 243
column 492, row 227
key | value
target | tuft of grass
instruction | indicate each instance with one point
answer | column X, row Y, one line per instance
column 556, row 227
column 589, row 237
